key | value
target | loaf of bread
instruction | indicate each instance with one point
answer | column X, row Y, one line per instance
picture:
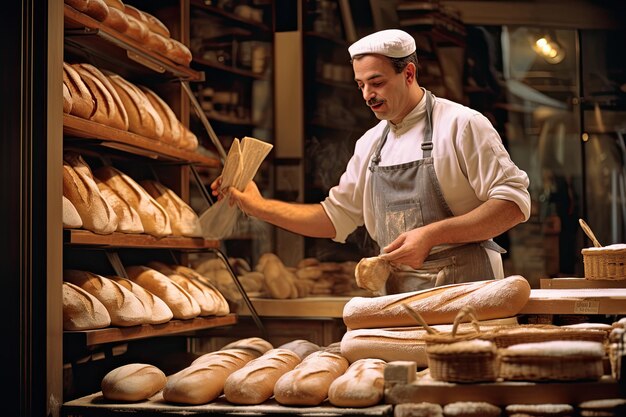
column 123, row 306
column 81, row 310
column 155, row 308
column 171, row 125
column 372, row 274
column 83, row 104
column 254, row 383
column 255, row 344
column 115, row 4
column 67, row 99
column 116, row 20
column 391, row 344
column 71, row 218
column 128, row 220
column 110, row 109
column 220, row 302
column 184, row 220
column 80, row 188
column 490, row 300
column 154, row 218
column 233, row 356
column 203, row 382
column 362, row 385
column 178, row 52
column 188, row 139
column 309, row 382
column 133, row 382
column 182, row 304
column 300, row 347
column 143, row 119
column 137, row 30
column 157, row 43
column 92, row 8
column 154, row 24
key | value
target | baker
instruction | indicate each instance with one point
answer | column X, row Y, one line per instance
column 432, row 182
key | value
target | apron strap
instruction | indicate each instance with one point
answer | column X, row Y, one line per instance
column 427, row 145
column 379, row 148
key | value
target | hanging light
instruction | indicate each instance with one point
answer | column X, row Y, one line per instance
column 549, row 49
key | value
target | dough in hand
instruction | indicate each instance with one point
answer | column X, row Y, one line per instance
column 372, row 274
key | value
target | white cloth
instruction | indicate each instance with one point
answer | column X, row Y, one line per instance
column 470, row 161
column 393, row 43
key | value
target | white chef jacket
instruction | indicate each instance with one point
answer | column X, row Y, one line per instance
column 470, row 162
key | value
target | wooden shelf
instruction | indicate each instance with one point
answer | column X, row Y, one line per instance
column 87, row 36
column 251, row 24
column 577, row 301
column 81, row 237
column 110, row 137
column 573, row 283
column 206, row 64
column 121, row 334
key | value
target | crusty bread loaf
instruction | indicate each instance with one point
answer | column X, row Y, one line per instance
column 123, row 306
column 97, row 9
column 80, row 188
column 362, row 385
column 71, row 218
column 203, row 381
column 309, row 382
column 83, row 104
column 109, row 108
column 372, row 274
column 255, row 344
column 67, row 99
column 182, row 304
column 128, row 220
column 157, row 43
column 155, row 25
column 300, row 347
column 228, row 355
column 154, row 218
column 133, row 382
column 254, row 383
column 81, row 310
column 137, row 30
column 178, row 52
column 115, row 4
column 142, row 117
column 184, row 220
column 490, row 300
column 188, row 140
column 116, row 20
column 156, row 308
column 171, row 125
column 220, row 302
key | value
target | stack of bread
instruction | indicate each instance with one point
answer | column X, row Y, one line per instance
column 92, row 301
column 109, row 99
column 107, row 201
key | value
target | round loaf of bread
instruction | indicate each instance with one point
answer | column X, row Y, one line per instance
column 540, row 410
column 182, row 304
column 133, row 382
column 254, row 383
column 471, row 409
column 156, row 308
column 490, row 299
column 81, row 310
column 362, row 385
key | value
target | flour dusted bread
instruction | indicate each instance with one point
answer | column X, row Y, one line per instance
column 83, row 104
column 490, row 300
column 154, row 218
column 182, row 304
column 81, row 310
column 183, row 219
column 133, row 382
column 372, row 274
column 203, row 381
column 128, row 220
column 171, row 125
column 80, row 188
column 362, row 385
column 254, row 383
column 156, row 309
column 71, row 218
column 309, row 382
column 123, row 306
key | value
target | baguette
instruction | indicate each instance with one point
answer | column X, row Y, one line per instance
column 254, row 383
column 178, row 52
column 67, row 99
column 156, row 308
column 83, row 104
column 362, row 385
column 97, row 9
column 157, row 43
column 155, row 24
column 184, row 220
column 80, row 188
column 255, row 344
column 123, row 306
column 128, row 218
column 71, row 218
column 203, row 381
column 490, row 300
column 116, row 20
column 182, row 304
column 171, row 125
column 309, row 382
column 109, row 108
column 143, row 119
column 222, row 356
column 133, row 382
column 137, row 30
column 115, row 4
column 81, row 310
column 154, row 218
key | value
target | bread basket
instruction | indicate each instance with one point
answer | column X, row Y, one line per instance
column 606, row 262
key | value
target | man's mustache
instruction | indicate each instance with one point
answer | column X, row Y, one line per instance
column 374, row 101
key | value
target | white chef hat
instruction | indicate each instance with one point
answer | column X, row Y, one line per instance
column 393, row 43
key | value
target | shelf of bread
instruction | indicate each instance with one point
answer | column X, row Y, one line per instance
column 88, row 36
column 87, row 130
column 576, row 301
column 573, row 283
column 119, row 334
column 129, row 240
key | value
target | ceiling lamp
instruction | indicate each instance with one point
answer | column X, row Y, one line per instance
column 549, row 49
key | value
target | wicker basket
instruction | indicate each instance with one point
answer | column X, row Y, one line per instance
column 608, row 262
column 534, row 333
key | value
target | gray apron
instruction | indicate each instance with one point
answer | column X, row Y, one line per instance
column 407, row 196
